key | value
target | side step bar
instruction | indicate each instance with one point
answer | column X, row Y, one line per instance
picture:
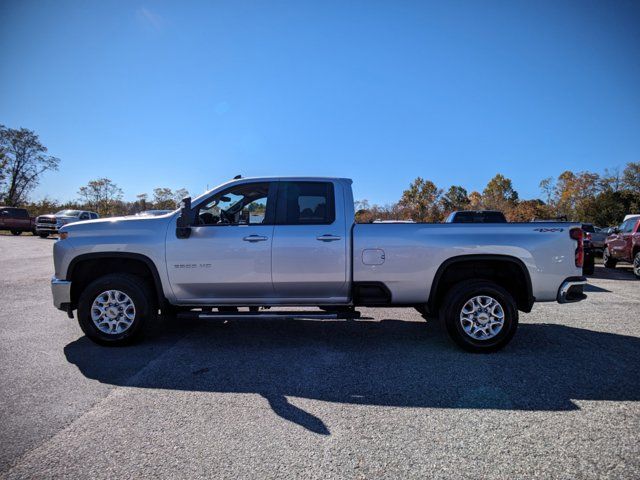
column 269, row 315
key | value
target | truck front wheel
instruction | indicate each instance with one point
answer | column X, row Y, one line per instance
column 113, row 309
column 480, row 315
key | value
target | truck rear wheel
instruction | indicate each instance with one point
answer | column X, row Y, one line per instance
column 16, row 232
column 480, row 315
column 113, row 309
column 636, row 265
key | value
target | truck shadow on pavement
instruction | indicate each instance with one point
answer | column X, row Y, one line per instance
column 386, row 363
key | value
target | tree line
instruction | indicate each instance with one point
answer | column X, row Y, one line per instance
column 603, row 199
column 600, row 198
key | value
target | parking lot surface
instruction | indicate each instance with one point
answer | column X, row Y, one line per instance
column 387, row 396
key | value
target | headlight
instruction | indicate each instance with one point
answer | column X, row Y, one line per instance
column 63, row 235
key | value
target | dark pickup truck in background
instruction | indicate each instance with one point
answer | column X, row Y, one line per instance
column 16, row 220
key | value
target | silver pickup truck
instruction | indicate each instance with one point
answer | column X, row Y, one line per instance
column 292, row 242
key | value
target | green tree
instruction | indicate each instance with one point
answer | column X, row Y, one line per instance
column 24, row 160
column 499, row 194
column 422, row 201
column 456, row 198
column 613, row 206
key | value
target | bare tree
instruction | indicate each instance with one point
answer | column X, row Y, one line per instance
column 23, row 159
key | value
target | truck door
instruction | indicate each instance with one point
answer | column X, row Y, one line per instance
column 309, row 252
column 619, row 242
column 227, row 258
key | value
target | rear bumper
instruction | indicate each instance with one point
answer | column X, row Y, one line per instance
column 61, row 291
column 572, row 290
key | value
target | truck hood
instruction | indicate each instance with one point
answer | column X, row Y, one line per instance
column 113, row 226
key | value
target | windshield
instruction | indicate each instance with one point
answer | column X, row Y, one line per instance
column 68, row 213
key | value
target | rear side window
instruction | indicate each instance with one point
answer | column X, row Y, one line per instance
column 94, row 215
column 305, row 203
column 479, row 217
column 15, row 213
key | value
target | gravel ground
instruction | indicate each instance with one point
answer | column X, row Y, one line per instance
column 387, row 396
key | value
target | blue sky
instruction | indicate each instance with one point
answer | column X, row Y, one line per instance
column 189, row 94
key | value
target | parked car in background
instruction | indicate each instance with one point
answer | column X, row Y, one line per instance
column 476, row 216
column 597, row 237
column 152, row 213
column 16, row 220
column 624, row 245
column 50, row 224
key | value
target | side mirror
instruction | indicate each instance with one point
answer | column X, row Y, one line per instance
column 615, row 230
column 185, row 219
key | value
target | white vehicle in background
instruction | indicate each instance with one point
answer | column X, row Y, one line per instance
column 292, row 242
column 50, row 224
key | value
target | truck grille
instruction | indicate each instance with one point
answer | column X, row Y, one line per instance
column 50, row 220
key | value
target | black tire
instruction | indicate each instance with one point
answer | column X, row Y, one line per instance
column 636, row 265
column 137, row 290
column 43, row 235
column 589, row 266
column 16, row 232
column 457, row 298
column 607, row 260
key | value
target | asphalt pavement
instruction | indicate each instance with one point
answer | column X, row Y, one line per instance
column 387, row 396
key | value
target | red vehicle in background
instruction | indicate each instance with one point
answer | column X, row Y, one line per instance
column 624, row 245
column 16, row 220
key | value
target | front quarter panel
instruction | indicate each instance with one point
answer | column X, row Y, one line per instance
column 142, row 236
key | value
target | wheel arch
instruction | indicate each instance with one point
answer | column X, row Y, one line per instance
column 87, row 267
column 507, row 271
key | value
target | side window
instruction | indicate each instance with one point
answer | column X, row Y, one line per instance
column 627, row 226
column 20, row 213
column 84, row 216
column 93, row 215
column 305, row 203
column 244, row 204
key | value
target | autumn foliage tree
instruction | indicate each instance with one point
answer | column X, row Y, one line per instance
column 422, row 201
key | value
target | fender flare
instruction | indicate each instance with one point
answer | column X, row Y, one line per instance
column 530, row 299
column 157, row 282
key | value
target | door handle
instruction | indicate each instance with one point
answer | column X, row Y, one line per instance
column 328, row 238
column 254, row 238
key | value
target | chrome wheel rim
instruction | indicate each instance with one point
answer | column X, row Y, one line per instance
column 113, row 312
column 482, row 317
column 636, row 266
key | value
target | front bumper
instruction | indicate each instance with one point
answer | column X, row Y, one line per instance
column 46, row 228
column 572, row 290
column 61, row 290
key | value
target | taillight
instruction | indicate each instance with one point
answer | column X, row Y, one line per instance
column 576, row 234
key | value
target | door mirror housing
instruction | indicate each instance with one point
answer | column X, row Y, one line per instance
column 185, row 219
